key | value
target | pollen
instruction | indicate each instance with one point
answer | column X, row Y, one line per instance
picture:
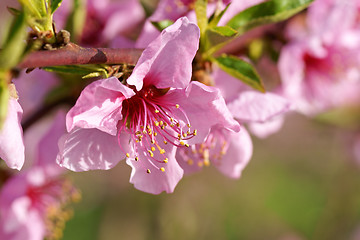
column 195, row 132
column 162, row 151
column 153, row 149
column 151, row 153
column 127, row 155
column 187, row 145
column 166, row 160
column 177, row 105
column 182, row 143
column 157, row 111
column 148, row 171
column 136, row 159
column 162, row 169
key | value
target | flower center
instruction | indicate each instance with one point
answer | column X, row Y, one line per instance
column 152, row 121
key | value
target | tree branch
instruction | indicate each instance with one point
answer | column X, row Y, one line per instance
column 73, row 54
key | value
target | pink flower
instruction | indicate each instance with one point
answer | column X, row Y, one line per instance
column 320, row 65
column 230, row 151
column 34, row 203
column 11, row 137
column 146, row 119
column 105, row 20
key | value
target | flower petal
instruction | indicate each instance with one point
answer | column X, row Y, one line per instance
column 47, row 148
column 88, row 149
column 156, row 181
column 238, row 154
column 12, row 149
column 252, row 106
column 205, row 108
column 263, row 130
column 166, row 62
column 99, row 106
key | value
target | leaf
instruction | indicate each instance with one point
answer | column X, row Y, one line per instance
column 14, row 44
column 14, row 11
column 215, row 18
column 76, row 20
column 54, row 4
column 162, row 24
column 241, row 70
column 216, row 36
column 200, row 10
column 78, row 70
column 266, row 12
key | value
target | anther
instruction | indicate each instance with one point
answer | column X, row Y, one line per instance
column 177, row 105
column 157, row 111
column 148, row 171
column 136, row 159
column 151, row 153
column 166, row 160
column 182, row 143
column 162, row 169
column 127, row 155
column 152, row 149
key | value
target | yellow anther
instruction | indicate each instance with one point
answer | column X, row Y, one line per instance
column 162, row 151
column 127, row 155
column 165, row 142
column 200, row 164
column 157, row 111
column 184, row 135
column 177, row 105
column 148, row 171
column 136, row 159
column 162, row 169
column 190, row 162
column 137, row 132
column 187, row 145
column 151, row 153
column 182, row 143
column 189, row 125
column 155, row 134
column 195, row 132
column 148, row 126
column 162, row 127
column 153, row 149
column 144, row 132
column 166, row 160
column 152, row 141
column 161, row 123
column 156, row 124
column 171, row 119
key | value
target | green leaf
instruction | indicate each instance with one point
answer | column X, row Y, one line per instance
column 162, row 24
column 200, row 10
column 54, row 4
column 215, row 18
column 14, row 44
column 86, row 71
column 76, row 20
column 14, row 11
column 241, row 70
column 267, row 12
column 215, row 37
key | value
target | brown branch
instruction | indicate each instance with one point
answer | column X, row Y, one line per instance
column 73, row 54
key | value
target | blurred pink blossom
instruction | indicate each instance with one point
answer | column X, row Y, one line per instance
column 145, row 120
column 34, row 203
column 11, row 137
column 105, row 21
column 320, row 65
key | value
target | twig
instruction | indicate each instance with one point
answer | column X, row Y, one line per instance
column 73, row 54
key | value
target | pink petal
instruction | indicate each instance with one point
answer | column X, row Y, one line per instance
column 88, row 149
column 99, row 106
column 166, row 62
column 11, row 137
column 263, row 130
column 205, row 108
column 252, row 106
column 157, row 181
column 238, row 154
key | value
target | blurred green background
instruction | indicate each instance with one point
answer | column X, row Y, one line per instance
column 300, row 184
